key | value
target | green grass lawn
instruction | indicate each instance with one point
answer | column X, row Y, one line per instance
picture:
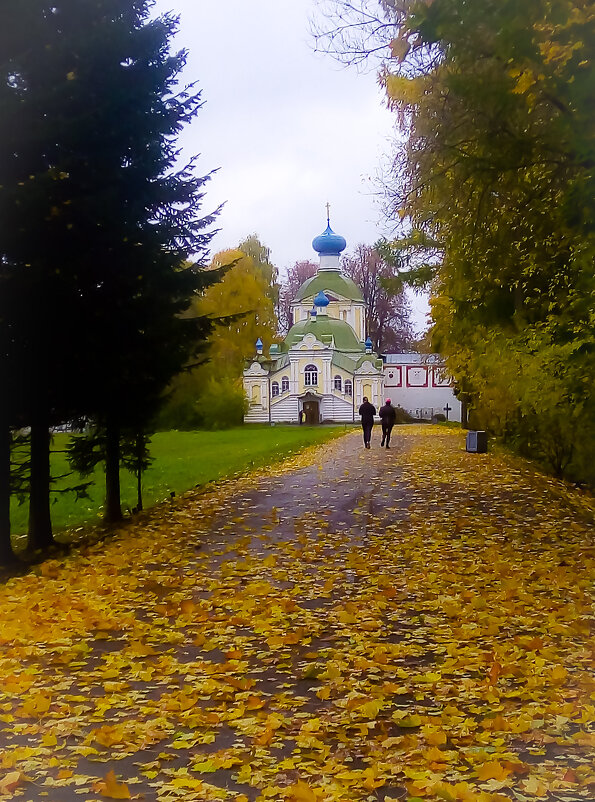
column 181, row 460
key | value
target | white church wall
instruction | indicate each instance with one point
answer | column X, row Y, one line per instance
column 418, row 383
column 285, row 410
column 424, row 402
column 256, row 388
column 320, row 357
column 256, row 415
column 418, row 396
column 258, row 404
column 337, row 409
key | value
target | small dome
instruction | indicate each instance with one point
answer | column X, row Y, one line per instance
column 321, row 300
column 328, row 242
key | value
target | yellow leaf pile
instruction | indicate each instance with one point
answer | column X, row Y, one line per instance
column 354, row 625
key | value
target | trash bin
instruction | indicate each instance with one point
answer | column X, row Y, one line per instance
column 477, row 442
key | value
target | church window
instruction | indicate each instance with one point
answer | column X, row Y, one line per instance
column 348, row 387
column 275, row 389
column 338, row 383
column 284, row 384
column 310, row 375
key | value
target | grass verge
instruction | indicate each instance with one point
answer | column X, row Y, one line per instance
column 181, row 460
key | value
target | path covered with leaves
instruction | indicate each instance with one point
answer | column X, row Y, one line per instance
column 354, row 625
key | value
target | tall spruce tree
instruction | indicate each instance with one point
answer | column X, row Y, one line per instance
column 96, row 223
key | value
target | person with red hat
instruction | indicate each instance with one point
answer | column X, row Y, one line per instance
column 388, row 417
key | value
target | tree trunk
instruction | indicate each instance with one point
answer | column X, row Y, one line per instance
column 140, row 448
column 464, row 418
column 6, row 553
column 139, row 489
column 113, row 507
column 40, row 521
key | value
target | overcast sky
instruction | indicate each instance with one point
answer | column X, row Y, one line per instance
column 287, row 129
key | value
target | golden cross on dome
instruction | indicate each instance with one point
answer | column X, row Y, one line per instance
column 328, row 213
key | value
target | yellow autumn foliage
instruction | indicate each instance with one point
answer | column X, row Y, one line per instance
column 403, row 90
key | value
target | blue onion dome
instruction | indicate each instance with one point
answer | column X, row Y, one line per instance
column 321, row 300
column 328, row 242
column 313, row 311
column 368, row 343
column 259, row 343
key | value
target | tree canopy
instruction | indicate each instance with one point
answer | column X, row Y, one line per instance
column 493, row 175
column 261, row 259
column 499, row 168
column 241, row 308
column 245, row 296
column 387, row 313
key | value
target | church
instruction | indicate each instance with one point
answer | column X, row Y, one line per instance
column 325, row 365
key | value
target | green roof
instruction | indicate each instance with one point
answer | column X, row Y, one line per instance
column 323, row 327
column 373, row 358
column 329, row 281
column 348, row 363
column 281, row 361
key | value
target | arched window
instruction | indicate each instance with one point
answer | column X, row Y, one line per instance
column 285, row 384
column 310, row 375
column 338, row 383
column 275, row 389
column 348, row 387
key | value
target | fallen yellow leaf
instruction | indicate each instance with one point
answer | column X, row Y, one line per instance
column 111, row 788
column 492, row 770
column 301, row 792
column 10, row 782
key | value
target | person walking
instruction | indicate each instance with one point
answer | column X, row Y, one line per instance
column 367, row 412
column 388, row 417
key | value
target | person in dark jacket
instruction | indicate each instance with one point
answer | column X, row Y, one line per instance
column 388, row 416
column 367, row 411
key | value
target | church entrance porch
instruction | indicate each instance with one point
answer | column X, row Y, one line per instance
column 311, row 409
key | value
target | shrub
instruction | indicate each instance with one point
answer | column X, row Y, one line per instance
column 221, row 404
column 402, row 416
